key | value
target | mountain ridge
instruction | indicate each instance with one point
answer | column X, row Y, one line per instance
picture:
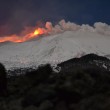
column 54, row 49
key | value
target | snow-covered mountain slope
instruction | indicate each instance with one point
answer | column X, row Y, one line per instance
column 54, row 48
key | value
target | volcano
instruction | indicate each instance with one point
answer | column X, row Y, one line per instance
column 53, row 48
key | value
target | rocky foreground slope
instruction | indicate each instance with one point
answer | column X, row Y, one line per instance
column 81, row 84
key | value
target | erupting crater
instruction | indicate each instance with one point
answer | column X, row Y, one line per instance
column 17, row 39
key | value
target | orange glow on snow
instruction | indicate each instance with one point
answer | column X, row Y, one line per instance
column 26, row 37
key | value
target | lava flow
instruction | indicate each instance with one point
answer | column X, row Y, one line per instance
column 18, row 39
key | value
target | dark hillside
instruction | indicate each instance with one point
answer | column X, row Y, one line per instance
column 82, row 84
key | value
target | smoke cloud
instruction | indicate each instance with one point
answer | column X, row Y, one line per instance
column 50, row 29
column 62, row 26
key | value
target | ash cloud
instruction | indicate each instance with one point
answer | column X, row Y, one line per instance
column 98, row 27
column 18, row 14
column 49, row 29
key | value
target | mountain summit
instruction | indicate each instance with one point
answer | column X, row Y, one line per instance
column 54, row 49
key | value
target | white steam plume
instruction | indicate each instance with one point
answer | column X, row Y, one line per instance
column 62, row 26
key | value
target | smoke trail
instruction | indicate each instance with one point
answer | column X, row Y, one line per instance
column 62, row 26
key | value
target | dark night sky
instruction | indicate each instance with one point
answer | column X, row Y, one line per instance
column 15, row 14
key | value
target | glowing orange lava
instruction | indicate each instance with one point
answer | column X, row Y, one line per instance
column 36, row 32
column 18, row 39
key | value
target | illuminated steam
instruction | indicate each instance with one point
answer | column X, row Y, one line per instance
column 49, row 29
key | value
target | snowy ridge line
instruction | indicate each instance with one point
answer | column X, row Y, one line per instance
column 54, row 49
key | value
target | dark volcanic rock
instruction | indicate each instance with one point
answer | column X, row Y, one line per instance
column 82, row 84
column 3, row 80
